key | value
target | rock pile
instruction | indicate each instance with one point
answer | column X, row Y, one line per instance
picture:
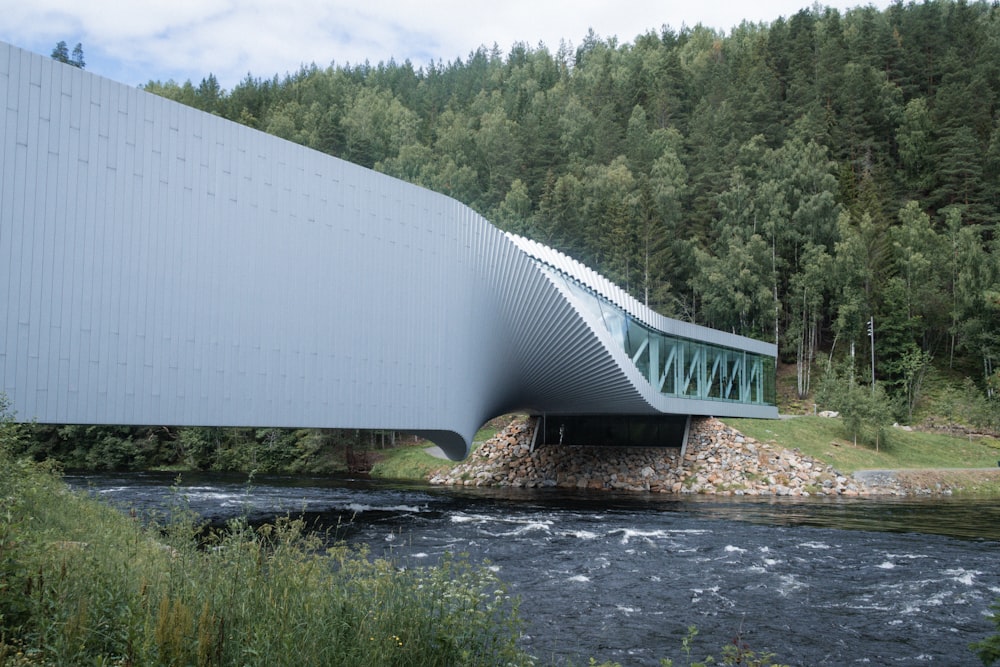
column 718, row 460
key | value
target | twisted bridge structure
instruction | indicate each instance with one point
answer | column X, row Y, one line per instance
column 160, row 265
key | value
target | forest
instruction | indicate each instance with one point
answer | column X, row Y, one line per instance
column 829, row 181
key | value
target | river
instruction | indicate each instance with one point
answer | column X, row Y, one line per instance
column 621, row 577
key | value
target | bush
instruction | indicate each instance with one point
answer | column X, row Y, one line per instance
column 988, row 650
column 81, row 583
column 866, row 412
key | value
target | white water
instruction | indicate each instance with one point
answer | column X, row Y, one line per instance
column 622, row 578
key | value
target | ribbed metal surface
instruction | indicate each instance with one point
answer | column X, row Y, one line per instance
column 159, row 265
column 616, row 295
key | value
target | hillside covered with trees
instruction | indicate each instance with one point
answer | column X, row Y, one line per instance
column 791, row 181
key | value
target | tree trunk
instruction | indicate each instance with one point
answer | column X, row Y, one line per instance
column 801, row 354
column 811, row 356
column 987, row 373
column 774, row 277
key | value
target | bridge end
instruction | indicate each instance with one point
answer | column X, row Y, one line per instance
column 455, row 446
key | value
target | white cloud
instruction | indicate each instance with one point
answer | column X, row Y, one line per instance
column 135, row 41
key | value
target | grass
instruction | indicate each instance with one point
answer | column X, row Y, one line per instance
column 413, row 461
column 82, row 583
column 408, row 462
column 827, row 440
column 822, row 438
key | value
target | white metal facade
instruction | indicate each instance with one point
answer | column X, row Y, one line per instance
column 160, row 265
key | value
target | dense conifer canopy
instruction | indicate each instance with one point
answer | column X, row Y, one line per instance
column 790, row 181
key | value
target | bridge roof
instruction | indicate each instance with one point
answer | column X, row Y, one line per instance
column 608, row 290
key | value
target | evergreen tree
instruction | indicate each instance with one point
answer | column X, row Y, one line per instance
column 919, row 253
column 209, row 94
column 76, row 60
column 754, row 180
column 664, row 243
column 61, row 52
column 734, row 286
column 914, row 139
column 610, row 210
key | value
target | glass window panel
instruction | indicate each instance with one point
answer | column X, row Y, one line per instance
column 585, row 299
column 716, row 364
column 734, row 375
column 693, row 372
column 614, row 320
column 668, row 367
column 677, row 366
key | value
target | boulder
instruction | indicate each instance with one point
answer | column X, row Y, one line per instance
column 718, row 460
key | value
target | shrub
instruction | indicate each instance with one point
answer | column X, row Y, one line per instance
column 82, row 583
column 988, row 650
column 866, row 411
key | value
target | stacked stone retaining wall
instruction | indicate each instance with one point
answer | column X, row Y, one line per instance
column 718, row 460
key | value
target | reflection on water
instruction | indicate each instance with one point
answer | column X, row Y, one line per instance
column 964, row 518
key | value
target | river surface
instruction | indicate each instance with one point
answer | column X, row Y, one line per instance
column 621, row 577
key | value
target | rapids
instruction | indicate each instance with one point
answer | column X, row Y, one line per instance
column 621, row 577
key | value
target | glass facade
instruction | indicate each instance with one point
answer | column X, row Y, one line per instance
column 682, row 367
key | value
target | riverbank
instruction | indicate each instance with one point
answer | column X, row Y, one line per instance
column 718, row 460
column 585, row 560
column 85, row 583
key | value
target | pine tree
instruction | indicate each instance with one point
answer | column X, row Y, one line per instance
column 76, row 60
column 61, row 52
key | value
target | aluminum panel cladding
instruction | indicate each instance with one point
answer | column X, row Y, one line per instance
column 161, row 265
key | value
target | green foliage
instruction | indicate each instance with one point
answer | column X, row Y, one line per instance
column 409, row 462
column 827, row 440
column 865, row 409
column 787, row 180
column 735, row 286
column 737, row 653
column 62, row 54
column 11, row 433
column 270, row 450
column 966, row 404
column 85, row 584
column 988, row 650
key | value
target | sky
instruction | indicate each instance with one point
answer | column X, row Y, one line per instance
column 137, row 41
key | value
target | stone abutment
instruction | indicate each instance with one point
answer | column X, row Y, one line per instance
column 718, row 460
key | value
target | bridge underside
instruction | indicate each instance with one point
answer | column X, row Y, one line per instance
column 613, row 430
column 161, row 265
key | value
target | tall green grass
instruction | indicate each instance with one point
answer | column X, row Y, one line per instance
column 82, row 583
